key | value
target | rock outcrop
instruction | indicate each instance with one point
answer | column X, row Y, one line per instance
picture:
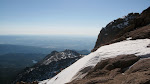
column 140, row 33
column 121, row 27
column 124, row 69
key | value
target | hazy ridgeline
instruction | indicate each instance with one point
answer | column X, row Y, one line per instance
column 19, row 52
column 53, row 41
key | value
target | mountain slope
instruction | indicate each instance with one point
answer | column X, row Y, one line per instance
column 122, row 26
column 124, row 69
column 11, row 64
column 127, row 37
column 76, row 70
column 49, row 66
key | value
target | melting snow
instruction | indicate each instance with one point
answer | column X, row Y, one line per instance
column 137, row 47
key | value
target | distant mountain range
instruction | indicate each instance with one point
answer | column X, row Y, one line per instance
column 9, row 48
column 14, row 58
column 51, row 65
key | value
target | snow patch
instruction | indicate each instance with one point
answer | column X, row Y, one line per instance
column 137, row 47
column 129, row 38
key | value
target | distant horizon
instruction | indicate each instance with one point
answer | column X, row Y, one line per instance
column 63, row 17
column 63, row 35
column 49, row 41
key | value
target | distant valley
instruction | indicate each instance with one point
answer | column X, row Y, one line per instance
column 19, row 52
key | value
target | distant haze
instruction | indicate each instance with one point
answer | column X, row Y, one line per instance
column 51, row 41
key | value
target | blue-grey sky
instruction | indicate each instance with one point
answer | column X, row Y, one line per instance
column 63, row 17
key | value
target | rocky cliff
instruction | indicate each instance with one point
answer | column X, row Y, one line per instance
column 121, row 27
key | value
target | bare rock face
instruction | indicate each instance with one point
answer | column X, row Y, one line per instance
column 113, row 28
column 35, row 82
column 124, row 69
column 119, row 29
column 119, row 63
column 139, row 73
column 140, row 66
column 143, row 19
column 139, row 33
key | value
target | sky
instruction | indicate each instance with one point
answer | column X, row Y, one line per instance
column 63, row 17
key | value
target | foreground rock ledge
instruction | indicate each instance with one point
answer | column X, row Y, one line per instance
column 124, row 69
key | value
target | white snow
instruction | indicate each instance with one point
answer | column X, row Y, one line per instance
column 129, row 38
column 59, row 56
column 122, row 25
column 137, row 47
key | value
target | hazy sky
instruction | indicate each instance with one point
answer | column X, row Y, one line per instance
column 63, row 17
